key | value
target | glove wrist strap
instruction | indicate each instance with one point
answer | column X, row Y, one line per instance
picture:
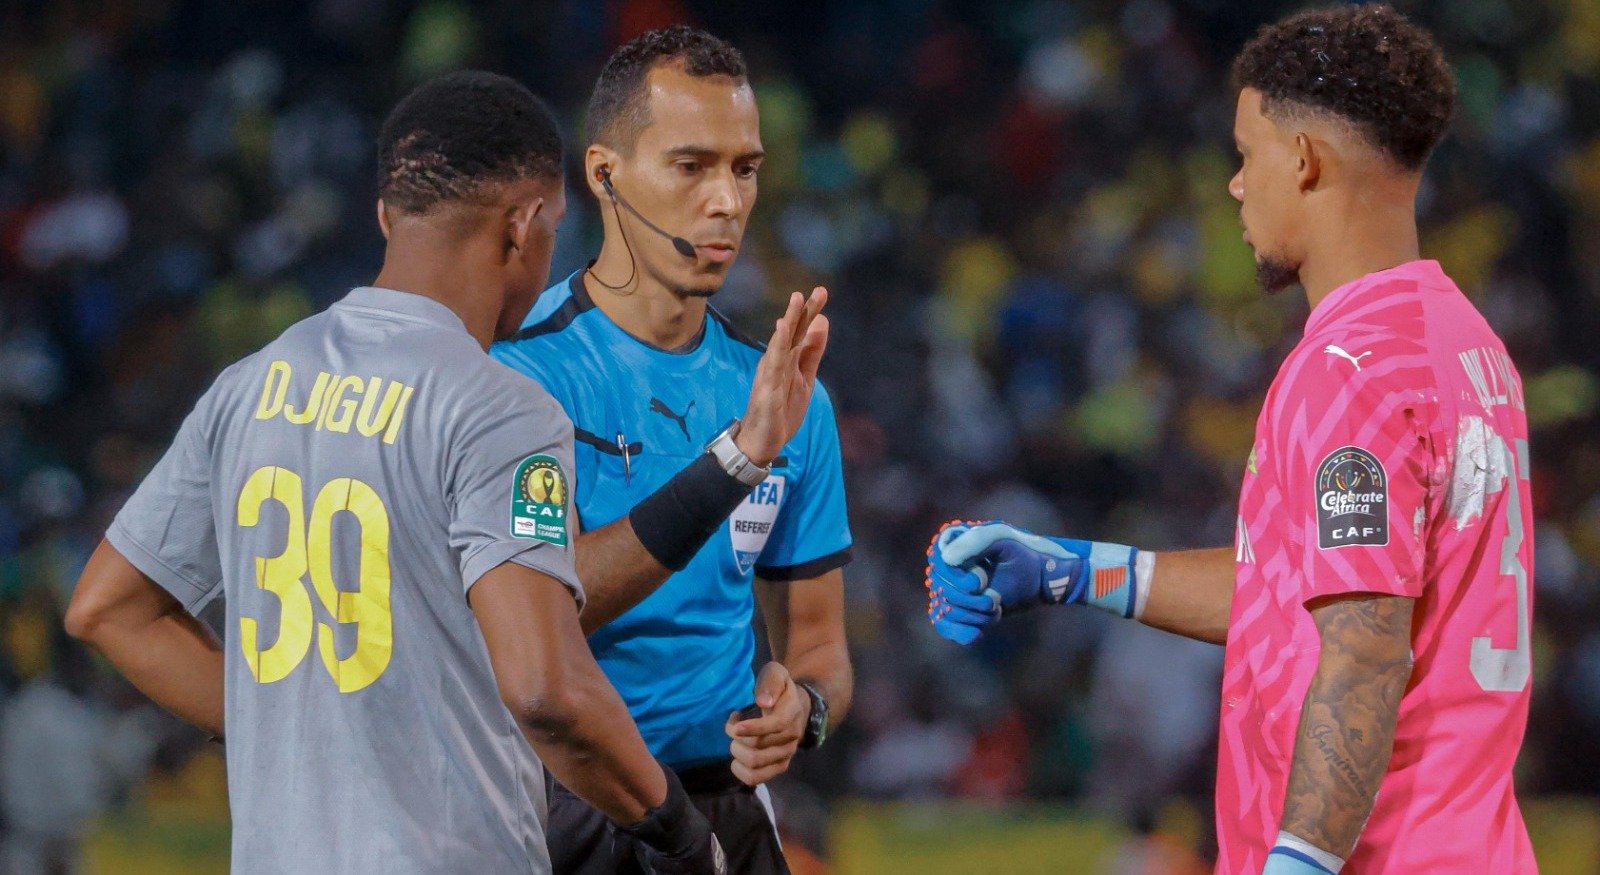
column 1144, row 574
column 1114, row 578
column 1293, row 855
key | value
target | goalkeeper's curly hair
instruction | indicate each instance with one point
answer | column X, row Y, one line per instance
column 457, row 136
column 1366, row 65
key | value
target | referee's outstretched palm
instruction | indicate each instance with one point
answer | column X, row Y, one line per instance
column 785, row 377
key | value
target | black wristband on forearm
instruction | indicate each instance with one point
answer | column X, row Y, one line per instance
column 675, row 827
column 677, row 519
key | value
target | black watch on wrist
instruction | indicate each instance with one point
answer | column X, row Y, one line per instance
column 817, row 724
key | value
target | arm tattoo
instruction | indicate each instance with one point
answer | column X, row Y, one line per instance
column 1347, row 723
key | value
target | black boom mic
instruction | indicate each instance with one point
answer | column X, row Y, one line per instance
column 684, row 247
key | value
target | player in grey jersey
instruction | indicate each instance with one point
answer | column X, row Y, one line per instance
column 385, row 510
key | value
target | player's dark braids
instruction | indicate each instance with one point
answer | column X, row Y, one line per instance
column 1367, row 65
column 455, row 136
column 619, row 109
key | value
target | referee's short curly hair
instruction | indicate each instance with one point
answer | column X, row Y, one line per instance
column 1367, row 65
column 619, row 108
column 455, row 138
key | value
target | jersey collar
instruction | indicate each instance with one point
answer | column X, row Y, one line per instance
column 683, row 354
column 407, row 304
column 1352, row 297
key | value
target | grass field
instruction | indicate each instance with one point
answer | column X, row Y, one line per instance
column 179, row 824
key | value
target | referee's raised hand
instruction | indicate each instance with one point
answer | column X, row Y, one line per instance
column 785, row 377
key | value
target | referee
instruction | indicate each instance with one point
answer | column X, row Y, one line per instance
column 373, row 483
column 708, row 471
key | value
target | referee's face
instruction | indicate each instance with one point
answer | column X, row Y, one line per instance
column 693, row 172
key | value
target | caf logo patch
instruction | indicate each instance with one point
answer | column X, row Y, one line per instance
column 539, row 501
column 542, row 483
column 1352, row 500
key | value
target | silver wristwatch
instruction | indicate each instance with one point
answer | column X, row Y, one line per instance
column 733, row 460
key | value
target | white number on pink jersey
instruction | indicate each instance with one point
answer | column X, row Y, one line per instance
column 1498, row 669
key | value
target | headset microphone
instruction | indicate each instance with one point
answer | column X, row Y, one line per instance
column 684, row 247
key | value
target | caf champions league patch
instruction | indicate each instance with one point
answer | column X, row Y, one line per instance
column 539, row 501
column 1352, row 500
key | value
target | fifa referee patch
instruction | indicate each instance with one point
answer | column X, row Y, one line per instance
column 1352, row 500
column 539, row 501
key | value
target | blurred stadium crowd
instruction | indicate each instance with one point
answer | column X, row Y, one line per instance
column 1042, row 310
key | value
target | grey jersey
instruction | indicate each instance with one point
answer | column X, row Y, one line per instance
column 343, row 488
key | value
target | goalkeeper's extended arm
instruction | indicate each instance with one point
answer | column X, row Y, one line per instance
column 979, row 571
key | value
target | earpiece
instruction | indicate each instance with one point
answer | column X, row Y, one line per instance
column 602, row 175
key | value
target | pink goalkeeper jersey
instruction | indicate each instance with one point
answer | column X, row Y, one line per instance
column 1391, row 456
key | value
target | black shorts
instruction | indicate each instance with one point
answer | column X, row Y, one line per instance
column 583, row 842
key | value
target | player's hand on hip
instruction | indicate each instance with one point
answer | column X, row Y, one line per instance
column 763, row 746
column 785, row 378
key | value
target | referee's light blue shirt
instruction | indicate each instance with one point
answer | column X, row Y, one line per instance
column 682, row 657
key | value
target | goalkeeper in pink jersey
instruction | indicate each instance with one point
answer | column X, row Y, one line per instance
column 1377, row 601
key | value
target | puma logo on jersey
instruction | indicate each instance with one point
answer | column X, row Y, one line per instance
column 1339, row 351
column 682, row 419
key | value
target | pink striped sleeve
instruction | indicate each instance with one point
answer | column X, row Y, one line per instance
column 1358, row 458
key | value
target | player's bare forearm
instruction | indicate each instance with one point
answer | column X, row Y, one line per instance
column 595, row 750
column 1347, row 722
column 143, row 631
column 1192, row 593
column 805, row 627
column 617, row 573
column 564, row 704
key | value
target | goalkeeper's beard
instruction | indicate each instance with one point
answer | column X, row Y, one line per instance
column 1275, row 274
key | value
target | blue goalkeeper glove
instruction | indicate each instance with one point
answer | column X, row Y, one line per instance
column 960, row 603
column 1014, row 569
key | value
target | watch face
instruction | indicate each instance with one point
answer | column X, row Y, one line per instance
column 817, row 724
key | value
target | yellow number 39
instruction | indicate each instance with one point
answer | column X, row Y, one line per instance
column 310, row 547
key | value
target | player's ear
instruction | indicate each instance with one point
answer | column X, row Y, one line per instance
column 1308, row 161
column 598, row 162
column 383, row 219
column 520, row 218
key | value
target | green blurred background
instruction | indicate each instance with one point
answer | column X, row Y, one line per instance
column 1041, row 310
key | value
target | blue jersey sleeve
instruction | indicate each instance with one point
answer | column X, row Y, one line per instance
column 811, row 535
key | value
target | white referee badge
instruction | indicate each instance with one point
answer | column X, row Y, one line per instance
column 751, row 522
